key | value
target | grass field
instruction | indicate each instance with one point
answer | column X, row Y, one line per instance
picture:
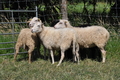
column 43, row 69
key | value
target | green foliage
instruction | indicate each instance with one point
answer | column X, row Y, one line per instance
column 79, row 7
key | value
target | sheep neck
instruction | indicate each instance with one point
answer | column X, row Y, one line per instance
column 43, row 33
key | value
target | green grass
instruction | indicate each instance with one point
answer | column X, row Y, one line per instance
column 9, row 38
column 43, row 69
column 6, row 38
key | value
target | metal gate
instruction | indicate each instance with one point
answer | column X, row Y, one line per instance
column 9, row 37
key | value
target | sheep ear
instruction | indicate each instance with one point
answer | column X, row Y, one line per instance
column 65, row 23
column 39, row 20
column 42, row 25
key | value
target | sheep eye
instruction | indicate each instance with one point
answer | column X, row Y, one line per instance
column 60, row 23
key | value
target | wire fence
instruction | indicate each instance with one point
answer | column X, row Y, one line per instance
column 8, row 36
column 80, row 12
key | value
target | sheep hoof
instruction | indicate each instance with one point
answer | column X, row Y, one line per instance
column 103, row 62
column 29, row 62
column 75, row 61
column 58, row 65
column 52, row 63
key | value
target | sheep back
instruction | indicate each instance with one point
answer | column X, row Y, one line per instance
column 92, row 36
column 27, row 38
column 57, row 38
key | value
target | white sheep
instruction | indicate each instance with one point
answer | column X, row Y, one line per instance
column 29, row 41
column 32, row 22
column 54, row 39
column 89, row 36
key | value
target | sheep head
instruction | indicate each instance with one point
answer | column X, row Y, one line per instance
column 33, row 21
column 62, row 24
column 38, row 27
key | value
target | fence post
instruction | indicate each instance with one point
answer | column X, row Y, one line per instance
column 64, row 9
column 13, row 30
column 36, row 11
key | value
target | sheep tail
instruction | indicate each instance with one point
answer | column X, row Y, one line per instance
column 74, row 45
column 108, row 36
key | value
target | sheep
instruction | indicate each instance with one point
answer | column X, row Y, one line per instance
column 29, row 41
column 57, row 20
column 32, row 22
column 68, row 53
column 54, row 39
column 89, row 36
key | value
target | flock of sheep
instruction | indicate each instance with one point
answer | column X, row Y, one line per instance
column 61, row 37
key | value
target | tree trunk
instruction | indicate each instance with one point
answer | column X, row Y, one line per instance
column 64, row 9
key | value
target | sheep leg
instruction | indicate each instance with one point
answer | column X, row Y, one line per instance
column 16, row 52
column 29, row 57
column 76, row 52
column 74, row 58
column 103, row 55
column 30, row 53
column 52, row 56
column 62, row 57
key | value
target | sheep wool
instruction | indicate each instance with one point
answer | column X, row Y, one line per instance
column 88, row 36
column 28, row 40
column 54, row 39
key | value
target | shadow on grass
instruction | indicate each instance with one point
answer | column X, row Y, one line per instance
column 86, row 53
